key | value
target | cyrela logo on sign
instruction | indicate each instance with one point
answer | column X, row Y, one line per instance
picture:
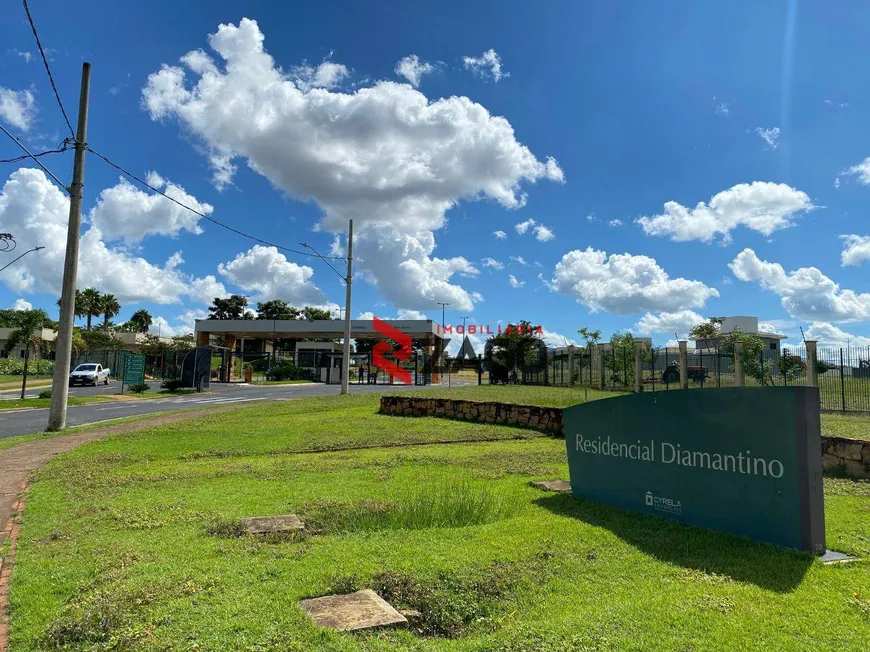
column 664, row 504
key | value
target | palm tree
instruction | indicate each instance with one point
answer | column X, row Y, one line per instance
column 142, row 320
column 91, row 301
column 78, row 305
column 29, row 333
column 110, row 307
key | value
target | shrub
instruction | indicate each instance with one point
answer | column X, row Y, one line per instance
column 288, row 371
column 172, row 385
column 138, row 388
column 15, row 367
column 46, row 393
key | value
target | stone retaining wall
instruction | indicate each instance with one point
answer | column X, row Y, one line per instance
column 545, row 419
column 848, row 456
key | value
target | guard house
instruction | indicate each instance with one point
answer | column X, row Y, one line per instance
column 314, row 339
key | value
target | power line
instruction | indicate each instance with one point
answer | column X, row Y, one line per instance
column 60, row 150
column 36, row 160
column 206, row 217
column 47, row 69
column 316, row 253
column 20, row 257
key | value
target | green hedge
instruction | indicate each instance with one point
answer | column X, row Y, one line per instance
column 15, row 367
column 288, row 371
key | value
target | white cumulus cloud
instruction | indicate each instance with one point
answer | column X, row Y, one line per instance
column 384, row 155
column 125, row 212
column 492, row 262
column 514, row 283
column 544, row 233
column 266, row 272
column 499, row 235
column 37, row 212
column 17, row 108
column 487, row 64
column 522, row 227
column 805, row 293
column 828, row 335
column 856, row 249
column 21, row 304
column 761, row 206
column 412, row 69
column 668, row 323
column 624, row 284
column 862, row 171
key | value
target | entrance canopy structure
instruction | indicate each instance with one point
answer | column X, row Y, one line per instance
column 299, row 329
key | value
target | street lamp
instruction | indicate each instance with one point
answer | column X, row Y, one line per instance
column 443, row 305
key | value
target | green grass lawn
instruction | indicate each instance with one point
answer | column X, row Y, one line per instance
column 130, row 544
column 45, row 402
column 522, row 394
column 855, row 426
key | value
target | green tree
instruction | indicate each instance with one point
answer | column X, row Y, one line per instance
column 515, row 346
column 90, row 301
column 790, row 366
column 620, row 358
column 78, row 305
column 311, row 313
column 110, row 307
column 141, row 320
column 753, row 348
column 28, row 333
column 277, row 309
column 97, row 340
column 232, row 308
column 152, row 346
column 182, row 343
column 589, row 336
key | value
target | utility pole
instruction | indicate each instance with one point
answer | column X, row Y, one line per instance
column 60, row 382
column 345, row 358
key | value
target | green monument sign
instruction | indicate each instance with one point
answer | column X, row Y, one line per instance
column 740, row 460
column 134, row 369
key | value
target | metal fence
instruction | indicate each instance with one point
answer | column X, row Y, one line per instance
column 842, row 374
column 322, row 367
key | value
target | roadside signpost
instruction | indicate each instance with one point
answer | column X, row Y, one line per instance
column 740, row 460
column 134, row 370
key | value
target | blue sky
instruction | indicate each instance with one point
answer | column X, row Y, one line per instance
column 606, row 127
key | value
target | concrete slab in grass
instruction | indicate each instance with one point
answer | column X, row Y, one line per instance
column 553, row 485
column 352, row 611
column 272, row 524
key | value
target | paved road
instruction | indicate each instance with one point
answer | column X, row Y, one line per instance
column 20, row 422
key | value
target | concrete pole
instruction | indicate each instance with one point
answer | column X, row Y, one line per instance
column 571, row 365
column 638, row 372
column 739, row 378
column 812, row 357
column 684, row 372
column 345, row 358
column 63, row 345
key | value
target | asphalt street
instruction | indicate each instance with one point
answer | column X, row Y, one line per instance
column 20, row 422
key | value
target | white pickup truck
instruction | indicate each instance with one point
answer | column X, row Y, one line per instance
column 89, row 373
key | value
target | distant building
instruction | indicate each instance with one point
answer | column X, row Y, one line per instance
column 131, row 342
column 744, row 325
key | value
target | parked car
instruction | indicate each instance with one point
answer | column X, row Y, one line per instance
column 89, row 373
